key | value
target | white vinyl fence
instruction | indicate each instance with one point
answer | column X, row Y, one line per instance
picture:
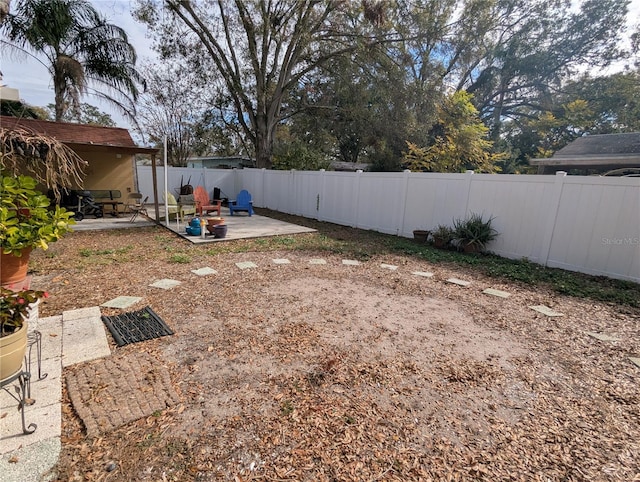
column 587, row 224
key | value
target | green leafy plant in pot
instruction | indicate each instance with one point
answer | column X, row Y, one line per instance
column 26, row 222
column 473, row 233
column 14, row 311
column 442, row 236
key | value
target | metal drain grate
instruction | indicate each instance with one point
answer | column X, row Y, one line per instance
column 136, row 326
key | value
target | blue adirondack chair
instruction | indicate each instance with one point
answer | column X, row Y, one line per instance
column 242, row 203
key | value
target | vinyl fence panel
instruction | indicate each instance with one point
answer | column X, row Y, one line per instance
column 587, row 224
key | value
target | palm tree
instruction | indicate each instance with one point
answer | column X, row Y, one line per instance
column 81, row 50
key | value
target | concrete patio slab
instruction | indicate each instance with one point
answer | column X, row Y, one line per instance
column 31, row 461
column 47, row 393
column 80, row 313
column 83, row 339
column 51, row 331
column 243, row 227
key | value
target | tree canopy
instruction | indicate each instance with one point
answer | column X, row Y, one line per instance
column 365, row 81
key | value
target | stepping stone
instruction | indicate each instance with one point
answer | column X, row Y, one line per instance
column 545, row 310
column 635, row 361
column 388, row 266
column 246, row 265
column 204, row 271
column 601, row 336
column 498, row 293
column 281, row 261
column 121, row 302
column 459, row 282
column 350, row 262
column 424, row 274
column 166, row 284
column 317, row 261
column 83, row 338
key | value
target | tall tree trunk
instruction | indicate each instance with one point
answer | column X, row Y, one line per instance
column 59, row 88
column 264, row 146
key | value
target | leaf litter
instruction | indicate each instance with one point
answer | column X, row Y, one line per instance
column 317, row 372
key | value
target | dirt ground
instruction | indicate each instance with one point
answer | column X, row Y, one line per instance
column 336, row 373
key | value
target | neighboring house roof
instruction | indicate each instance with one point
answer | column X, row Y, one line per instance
column 349, row 166
column 220, row 161
column 81, row 136
column 599, row 152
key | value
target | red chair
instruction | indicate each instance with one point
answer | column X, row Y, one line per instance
column 203, row 204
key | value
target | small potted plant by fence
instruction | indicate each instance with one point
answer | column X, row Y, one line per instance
column 14, row 312
column 473, row 233
column 442, row 236
column 420, row 235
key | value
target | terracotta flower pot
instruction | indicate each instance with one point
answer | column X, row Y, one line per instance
column 420, row 235
column 12, row 350
column 14, row 268
column 439, row 242
column 471, row 248
column 213, row 222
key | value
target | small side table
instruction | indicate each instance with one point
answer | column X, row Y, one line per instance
column 22, row 378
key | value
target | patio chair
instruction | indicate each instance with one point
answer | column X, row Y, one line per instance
column 203, row 204
column 137, row 209
column 133, row 201
column 242, row 203
column 179, row 209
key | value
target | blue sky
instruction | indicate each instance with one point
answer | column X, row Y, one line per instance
column 33, row 81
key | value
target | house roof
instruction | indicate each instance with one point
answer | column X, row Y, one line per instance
column 349, row 166
column 80, row 136
column 601, row 151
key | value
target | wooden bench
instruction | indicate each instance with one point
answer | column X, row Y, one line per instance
column 108, row 197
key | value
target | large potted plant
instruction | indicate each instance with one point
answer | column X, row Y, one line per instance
column 473, row 233
column 14, row 312
column 26, row 222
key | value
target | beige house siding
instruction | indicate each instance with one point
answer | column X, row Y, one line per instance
column 109, row 170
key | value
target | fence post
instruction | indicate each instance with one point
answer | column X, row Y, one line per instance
column 467, row 191
column 292, row 198
column 403, row 202
column 357, row 203
column 319, row 196
column 552, row 216
column 237, row 180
